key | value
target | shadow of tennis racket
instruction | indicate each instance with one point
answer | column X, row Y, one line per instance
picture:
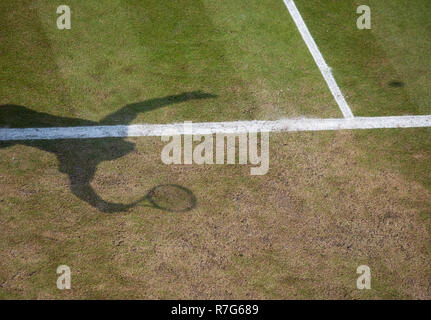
column 169, row 197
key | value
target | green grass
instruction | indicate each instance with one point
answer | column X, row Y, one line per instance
column 365, row 62
column 330, row 202
column 124, row 52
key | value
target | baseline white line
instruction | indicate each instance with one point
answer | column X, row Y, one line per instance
column 154, row 130
column 318, row 58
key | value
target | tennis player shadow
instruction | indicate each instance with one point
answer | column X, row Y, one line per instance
column 79, row 158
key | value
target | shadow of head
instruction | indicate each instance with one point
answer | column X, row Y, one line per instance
column 396, row 84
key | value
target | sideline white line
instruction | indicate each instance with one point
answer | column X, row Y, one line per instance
column 154, row 130
column 318, row 58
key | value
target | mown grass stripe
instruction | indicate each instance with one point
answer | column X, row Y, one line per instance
column 318, row 58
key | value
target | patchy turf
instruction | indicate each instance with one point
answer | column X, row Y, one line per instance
column 330, row 202
column 298, row 232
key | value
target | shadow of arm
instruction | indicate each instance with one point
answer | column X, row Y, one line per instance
column 128, row 113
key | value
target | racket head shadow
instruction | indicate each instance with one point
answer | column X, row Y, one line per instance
column 172, row 198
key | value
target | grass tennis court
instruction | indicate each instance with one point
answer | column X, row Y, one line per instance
column 330, row 202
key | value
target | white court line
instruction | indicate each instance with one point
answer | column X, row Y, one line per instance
column 318, row 58
column 155, row 130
